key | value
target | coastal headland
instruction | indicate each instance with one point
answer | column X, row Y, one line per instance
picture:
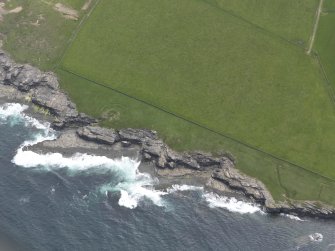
column 81, row 133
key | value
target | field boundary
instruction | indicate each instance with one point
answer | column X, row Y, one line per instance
column 74, row 34
column 198, row 125
column 256, row 26
column 329, row 88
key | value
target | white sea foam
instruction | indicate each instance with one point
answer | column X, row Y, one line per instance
column 12, row 113
column 11, row 110
column 292, row 217
column 15, row 113
column 175, row 188
column 316, row 237
column 231, row 204
column 134, row 186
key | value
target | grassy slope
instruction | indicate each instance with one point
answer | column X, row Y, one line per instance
column 292, row 20
column 177, row 54
column 39, row 45
column 329, row 5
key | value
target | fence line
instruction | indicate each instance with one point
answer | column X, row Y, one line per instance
column 258, row 27
column 329, row 88
column 74, row 34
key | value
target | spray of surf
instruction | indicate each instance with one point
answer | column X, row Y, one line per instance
column 132, row 185
column 213, row 200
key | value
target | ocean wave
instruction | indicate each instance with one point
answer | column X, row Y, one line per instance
column 292, row 217
column 176, row 188
column 11, row 110
column 231, row 204
column 14, row 113
column 134, row 186
column 316, row 237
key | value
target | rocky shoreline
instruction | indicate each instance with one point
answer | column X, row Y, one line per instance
column 24, row 83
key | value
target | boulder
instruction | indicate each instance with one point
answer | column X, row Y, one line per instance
column 137, row 136
column 99, row 135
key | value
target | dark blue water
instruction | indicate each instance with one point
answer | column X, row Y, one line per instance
column 66, row 208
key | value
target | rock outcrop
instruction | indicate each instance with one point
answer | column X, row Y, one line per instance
column 99, row 135
column 247, row 185
column 302, row 208
column 42, row 89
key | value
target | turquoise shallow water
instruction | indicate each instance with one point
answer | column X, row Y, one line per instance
column 56, row 203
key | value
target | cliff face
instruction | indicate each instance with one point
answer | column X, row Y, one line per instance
column 42, row 88
column 23, row 82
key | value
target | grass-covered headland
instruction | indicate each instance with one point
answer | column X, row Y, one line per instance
column 208, row 75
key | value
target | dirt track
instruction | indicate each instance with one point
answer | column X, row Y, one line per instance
column 315, row 28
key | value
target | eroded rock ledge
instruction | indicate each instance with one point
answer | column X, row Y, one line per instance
column 25, row 83
column 42, row 89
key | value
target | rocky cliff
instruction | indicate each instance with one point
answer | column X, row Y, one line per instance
column 26, row 83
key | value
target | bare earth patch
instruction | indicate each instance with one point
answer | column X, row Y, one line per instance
column 86, row 5
column 3, row 11
column 67, row 12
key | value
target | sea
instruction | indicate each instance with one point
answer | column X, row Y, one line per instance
column 90, row 203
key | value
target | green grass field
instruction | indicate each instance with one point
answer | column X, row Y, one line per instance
column 212, row 68
column 210, row 75
column 292, row 20
column 325, row 42
column 229, row 78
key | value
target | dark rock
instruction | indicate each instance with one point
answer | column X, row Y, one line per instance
column 147, row 157
column 302, row 208
column 205, row 160
column 98, row 134
column 171, row 165
column 55, row 101
column 43, row 88
column 172, row 156
column 75, row 121
column 155, row 148
column 250, row 187
column 137, row 136
column 187, row 161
